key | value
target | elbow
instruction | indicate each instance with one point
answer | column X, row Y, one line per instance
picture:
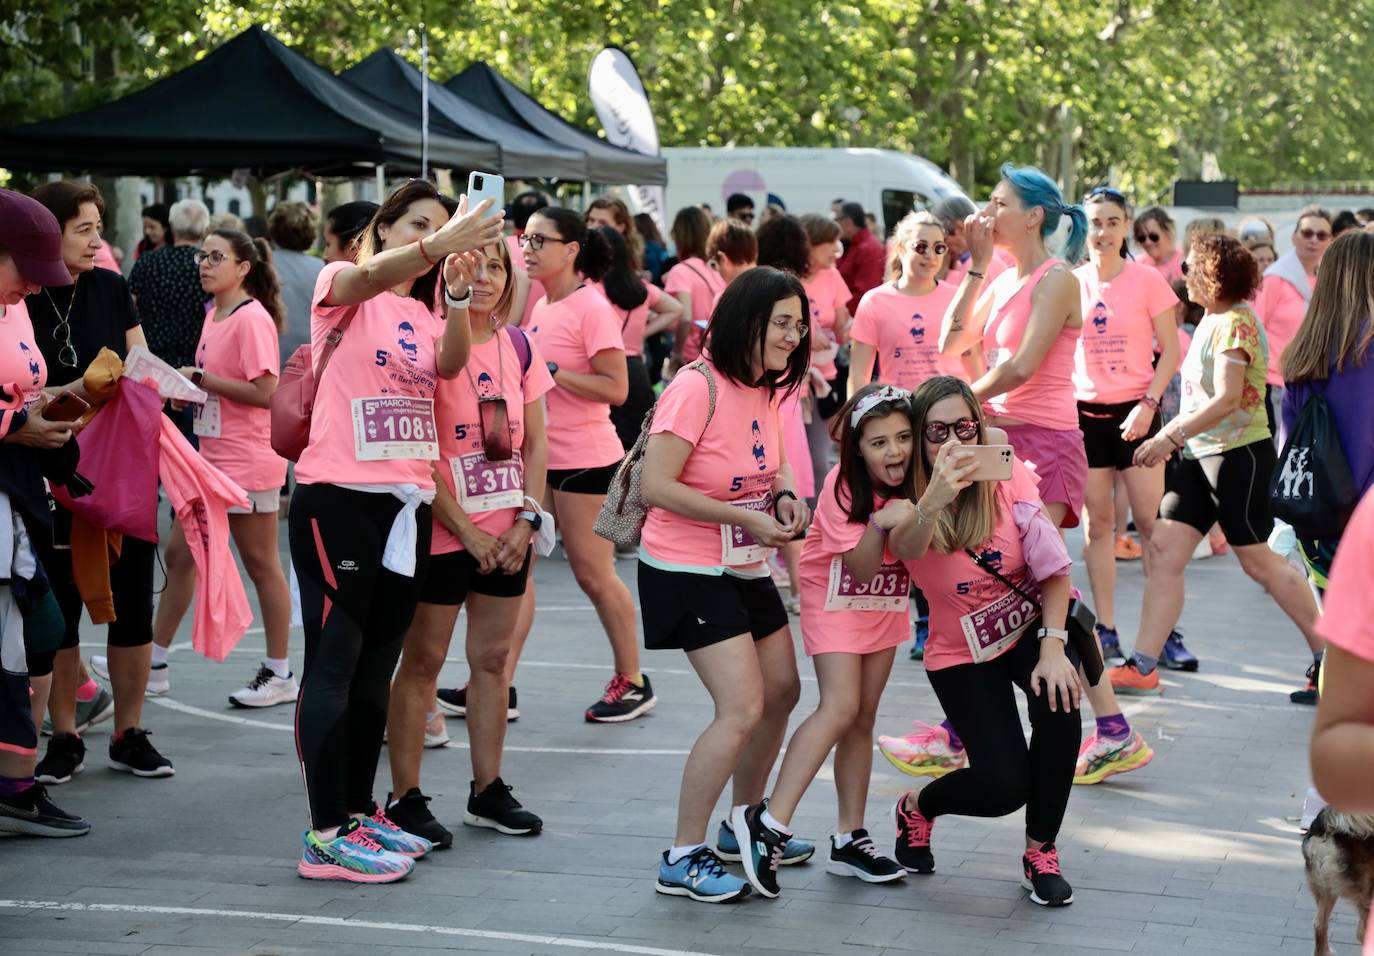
column 451, row 362
column 619, row 392
column 1015, row 376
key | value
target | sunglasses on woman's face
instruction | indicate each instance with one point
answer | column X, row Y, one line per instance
column 1144, row 237
column 965, row 429
column 923, row 247
column 1321, row 235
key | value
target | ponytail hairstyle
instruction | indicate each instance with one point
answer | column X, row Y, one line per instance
column 905, row 233
column 1034, row 189
column 854, row 488
column 625, row 223
column 593, row 253
column 261, row 282
column 622, row 283
column 1116, row 198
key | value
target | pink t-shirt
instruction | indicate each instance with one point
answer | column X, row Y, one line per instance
column 904, row 331
column 1114, row 358
column 1347, row 620
column 1047, row 398
column 517, row 261
column 23, row 373
column 1000, row 262
column 1170, row 269
column 1281, row 310
column 839, row 615
column 569, row 332
column 735, row 460
column 383, row 374
column 237, row 438
column 104, row 259
column 967, row 604
column 633, row 322
column 827, row 294
column 703, row 284
column 492, row 493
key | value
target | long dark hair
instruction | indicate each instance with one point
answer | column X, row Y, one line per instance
column 854, row 488
column 783, row 245
column 262, row 282
column 738, row 329
column 594, row 252
column 424, row 289
column 623, row 286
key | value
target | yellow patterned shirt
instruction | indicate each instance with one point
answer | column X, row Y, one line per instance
column 1238, row 330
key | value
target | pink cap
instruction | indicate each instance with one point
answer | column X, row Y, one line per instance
column 33, row 238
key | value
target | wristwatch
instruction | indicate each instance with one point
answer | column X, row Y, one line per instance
column 535, row 519
column 197, row 377
column 453, row 303
column 553, row 367
column 777, row 499
column 1058, row 633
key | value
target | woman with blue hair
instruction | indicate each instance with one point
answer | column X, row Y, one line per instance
column 1028, row 321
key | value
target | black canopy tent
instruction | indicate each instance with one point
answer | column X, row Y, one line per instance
column 482, row 86
column 523, row 154
column 253, row 103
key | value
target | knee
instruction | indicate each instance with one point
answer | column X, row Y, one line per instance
column 489, row 661
column 1012, row 786
column 1101, row 521
column 263, row 568
column 593, row 577
column 1263, row 567
column 422, row 661
column 742, row 715
column 781, row 697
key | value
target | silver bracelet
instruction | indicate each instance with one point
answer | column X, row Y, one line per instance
column 921, row 517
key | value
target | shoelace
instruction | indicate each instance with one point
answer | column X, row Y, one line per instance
column 918, row 827
column 924, row 731
column 263, row 678
column 618, row 687
column 867, row 847
column 359, row 837
column 1045, row 860
column 704, row 861
column 775, row 858
column 381, row 820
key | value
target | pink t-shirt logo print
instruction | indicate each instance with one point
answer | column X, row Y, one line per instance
column 407, row 341
column 1100, row 317
column 918, row 331
column 760, row 454
column 992, row 558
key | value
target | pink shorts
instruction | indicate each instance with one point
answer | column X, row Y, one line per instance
column 1059, row 462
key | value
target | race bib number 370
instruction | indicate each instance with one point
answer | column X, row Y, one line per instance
column 395, row 427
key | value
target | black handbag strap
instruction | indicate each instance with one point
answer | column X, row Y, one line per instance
column 978, row 560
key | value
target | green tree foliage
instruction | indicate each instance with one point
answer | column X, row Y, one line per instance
column 1137, row 91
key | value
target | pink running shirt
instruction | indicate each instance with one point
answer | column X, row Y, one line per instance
column 1171, row 269
column 237, row 438
column 21, row 363
column 904, row 331
column 569, row 332
column 704, row 285
column 492, row 493
column 1281, row 310
column 633, row 322
column 383, row 373
column 736, row 460
column 1348, row 617
column 838, row 614
column 827, row 294
column 1047, row 398
column 1114, row 359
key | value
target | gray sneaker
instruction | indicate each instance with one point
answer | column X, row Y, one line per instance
column 88, row 712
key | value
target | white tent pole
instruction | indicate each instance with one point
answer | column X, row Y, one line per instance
column 424, row 102
column 381, row 182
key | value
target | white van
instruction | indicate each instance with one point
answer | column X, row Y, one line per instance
column 887, row 183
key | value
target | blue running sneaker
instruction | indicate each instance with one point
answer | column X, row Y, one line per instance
column 1175, row 656
column 727, row 848
column 700, row 876
column 392, row 838
column 921, row 630
column 1112, row 654
column 352, row 855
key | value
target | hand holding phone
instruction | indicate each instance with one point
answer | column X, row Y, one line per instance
column 66, row 407
column 487, row 186
column 993, row 462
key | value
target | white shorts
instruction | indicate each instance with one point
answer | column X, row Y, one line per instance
column 260, row 502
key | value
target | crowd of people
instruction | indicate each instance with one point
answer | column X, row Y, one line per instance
column 895, row 433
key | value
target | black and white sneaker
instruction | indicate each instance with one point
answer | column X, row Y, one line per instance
column 411, row 814
column 760, row 847
column 496, row 809
column 623, row 701
column 31, row 812
column 860, row 858
column 1040, row 875
column 132, row 753
column 65, row 758
column 455, row 701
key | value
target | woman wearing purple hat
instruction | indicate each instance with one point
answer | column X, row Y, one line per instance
column 30, row 258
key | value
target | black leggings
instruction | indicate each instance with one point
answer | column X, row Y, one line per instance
column 628, row 417
column 1002, row 775
column 356, row 614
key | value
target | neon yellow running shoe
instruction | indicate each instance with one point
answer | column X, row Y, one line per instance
column 925, row 753
column 1100, row 757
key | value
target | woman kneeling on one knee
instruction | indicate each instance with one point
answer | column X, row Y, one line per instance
column 965, row 544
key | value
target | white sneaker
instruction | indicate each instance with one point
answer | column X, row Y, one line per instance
column 159, row 677
column 436, row 731
column 1203, row 551
column 266, row 689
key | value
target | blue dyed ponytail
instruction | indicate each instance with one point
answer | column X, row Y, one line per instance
column 1036, row 189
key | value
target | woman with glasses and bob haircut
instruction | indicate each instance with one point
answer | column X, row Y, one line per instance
column 966, row 543
column 1154, row 235
column 720, row 499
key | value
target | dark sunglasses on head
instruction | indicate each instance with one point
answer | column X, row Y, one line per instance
column 1321, row 235
column 1114, row 195
column 965, row 429
column 922, row 247
column 1143, row 237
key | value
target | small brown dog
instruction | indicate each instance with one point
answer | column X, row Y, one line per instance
column 1339, row 850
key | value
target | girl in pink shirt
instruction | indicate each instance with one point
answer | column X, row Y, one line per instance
column 489, row 481
column 828, row 301
column 578, row 332
column 853, row 616
column 1028, row 323
column 360, row 518
column 692, row 282
column 984, row 640
column 721, row 499
column 1154, row 234
column 237, row 365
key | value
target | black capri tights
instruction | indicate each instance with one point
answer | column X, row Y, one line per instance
column 356, row 614
column 1002, row 774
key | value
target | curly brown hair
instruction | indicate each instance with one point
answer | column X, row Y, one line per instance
column 1222, row 269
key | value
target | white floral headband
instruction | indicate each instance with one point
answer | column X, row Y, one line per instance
column 888, row 393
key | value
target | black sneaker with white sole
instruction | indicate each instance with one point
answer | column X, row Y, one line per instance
column 455, row 701
column 411, row 814
column 65, row 758
column 860, row 858
column 623, row 701
column 132, row 753
column 1040, row 875
column 31, row 812
column 760, row 847
column 496, row 809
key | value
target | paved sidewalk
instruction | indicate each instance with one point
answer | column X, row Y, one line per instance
column 1197, row 853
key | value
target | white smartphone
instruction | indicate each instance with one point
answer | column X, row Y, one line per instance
column 994, row 462
column 487, row 186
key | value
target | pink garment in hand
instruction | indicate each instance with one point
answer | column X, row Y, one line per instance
column 1045, row 553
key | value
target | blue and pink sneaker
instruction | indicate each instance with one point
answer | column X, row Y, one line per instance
column 392, row 838
column 352, row 855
